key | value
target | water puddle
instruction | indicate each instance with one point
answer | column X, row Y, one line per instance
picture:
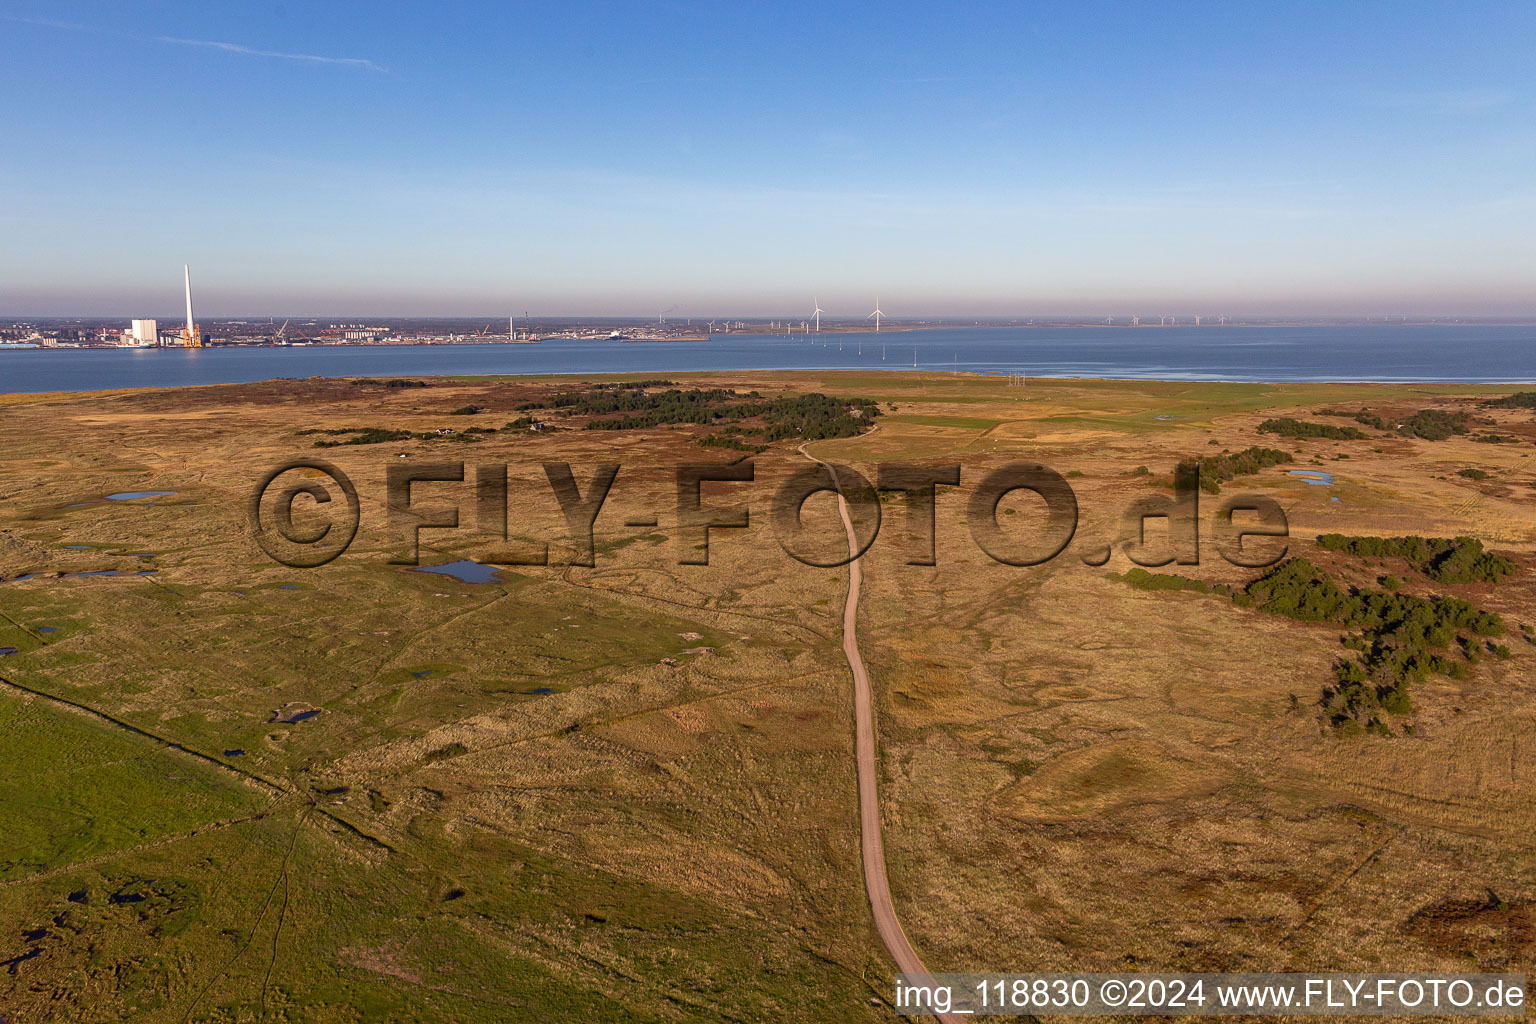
column 1315, row 477
column 290, row 713
column 47, row 629
column 542, row 689
column 237, row 752
column 465, row 571
column 130, row 495
column 107, row 572
column 8, row 650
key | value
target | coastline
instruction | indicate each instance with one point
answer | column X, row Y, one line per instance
column 1466, row 355
column 840, row 375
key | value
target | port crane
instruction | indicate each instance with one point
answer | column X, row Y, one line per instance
column 191, row 337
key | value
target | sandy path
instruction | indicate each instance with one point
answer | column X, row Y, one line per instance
column 871, row 843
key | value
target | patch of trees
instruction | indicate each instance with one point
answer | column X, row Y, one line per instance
column 1429, row 424
column 655, row 382
column 1519, row 400
column 1364, row 416
column 1398, row 638
column 382, row 435
column 1218, row 469
column 1143, row 580
column 802, row 417
column 1285, row 426
column 1444, row 560
column 395, row 382
column 1435, row 424
column 362, row 435
column 647, row 409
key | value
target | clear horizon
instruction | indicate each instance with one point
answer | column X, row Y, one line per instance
column 1204, row 158
column 1086, row 318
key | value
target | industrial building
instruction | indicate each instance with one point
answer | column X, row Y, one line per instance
column 143, row 333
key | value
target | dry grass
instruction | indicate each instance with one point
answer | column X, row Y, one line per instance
column 1077, row 774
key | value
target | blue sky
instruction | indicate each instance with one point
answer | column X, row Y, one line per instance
column 407, row 158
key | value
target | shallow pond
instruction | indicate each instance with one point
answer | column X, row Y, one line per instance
column 465, row 571
column 108, row 572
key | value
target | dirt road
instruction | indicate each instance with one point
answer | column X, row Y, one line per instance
column 871, row 843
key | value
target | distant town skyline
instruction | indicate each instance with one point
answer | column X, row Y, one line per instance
column 1007, row 159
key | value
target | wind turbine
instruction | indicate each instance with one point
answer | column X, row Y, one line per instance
column 876, row 314
column 817, row 313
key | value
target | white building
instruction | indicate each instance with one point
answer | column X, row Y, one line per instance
column 144, row 332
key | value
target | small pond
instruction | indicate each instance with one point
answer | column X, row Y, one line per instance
column 465, row 571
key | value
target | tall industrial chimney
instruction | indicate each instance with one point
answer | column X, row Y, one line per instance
column 191, row 327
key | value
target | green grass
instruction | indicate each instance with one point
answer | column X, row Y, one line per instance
column 74, row 787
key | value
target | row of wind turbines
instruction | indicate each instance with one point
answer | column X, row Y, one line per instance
column 816, row 314
column 1166, row 321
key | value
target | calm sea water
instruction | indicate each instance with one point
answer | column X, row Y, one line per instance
column 1388, row 353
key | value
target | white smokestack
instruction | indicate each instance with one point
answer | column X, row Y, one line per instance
column 191, row 339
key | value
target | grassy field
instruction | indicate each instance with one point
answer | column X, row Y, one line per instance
column 626, row 792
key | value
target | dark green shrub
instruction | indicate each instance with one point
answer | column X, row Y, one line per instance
column 1143, row 580
column 1519, row 400
column 1458, row 560
column 1434, row 425
column 1288, row 427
